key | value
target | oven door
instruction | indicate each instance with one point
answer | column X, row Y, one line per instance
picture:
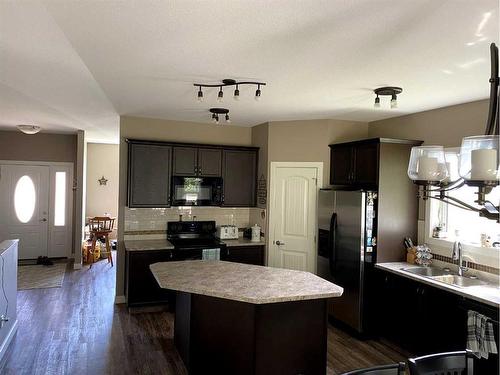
column 188, row 254
column 196, row 191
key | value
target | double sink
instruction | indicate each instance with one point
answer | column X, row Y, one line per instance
column 445, row 276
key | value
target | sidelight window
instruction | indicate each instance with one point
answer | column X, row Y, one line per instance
column 60, row 200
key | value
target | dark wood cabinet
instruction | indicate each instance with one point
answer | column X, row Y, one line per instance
column 340, row 165
column 141, row 287
column 185, row 161
column 423, row 319
column 244, row 254
column 194, row 161
column 239, row 177
column 365, row 171
column 354, row 163
column 209, row 162
column 151, row 165
column 149, row 175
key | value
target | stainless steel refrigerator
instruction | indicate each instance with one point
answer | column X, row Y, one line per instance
column 347, row 242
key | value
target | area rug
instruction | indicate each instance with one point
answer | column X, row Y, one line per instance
column 37, row 277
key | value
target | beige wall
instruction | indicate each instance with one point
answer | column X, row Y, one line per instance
column 260, row 138
column 308, row 140
column 102, row 160
column 443, row 126
column 15, row 145
column 183, row 131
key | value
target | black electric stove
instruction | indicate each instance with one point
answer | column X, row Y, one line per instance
column 190, row 238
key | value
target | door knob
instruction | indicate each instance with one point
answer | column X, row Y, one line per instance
column 279, row 243
column 44, row 219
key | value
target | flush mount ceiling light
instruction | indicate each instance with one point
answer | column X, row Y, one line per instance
column 29, row 129
column 438, row 171
column 387, row 91
column 218, row 113
column 229, row 82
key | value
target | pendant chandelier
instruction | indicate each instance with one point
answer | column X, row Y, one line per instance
column 438, row 170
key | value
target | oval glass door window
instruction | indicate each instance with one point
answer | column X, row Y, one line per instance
column 24, row 199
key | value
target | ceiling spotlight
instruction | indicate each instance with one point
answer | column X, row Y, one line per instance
column 236, row 93
column 394, row 101
column 229, row 82
column 257, row 93
column 29, row 129
column 388, row 91
column 216, row 112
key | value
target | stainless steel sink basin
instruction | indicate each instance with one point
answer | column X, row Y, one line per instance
column 459, row 281
column 426, row 271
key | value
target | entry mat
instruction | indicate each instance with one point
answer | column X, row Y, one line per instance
column 39, row 276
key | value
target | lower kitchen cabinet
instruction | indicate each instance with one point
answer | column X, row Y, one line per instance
column 141, row 287
column 423, row 319
column 244, row 254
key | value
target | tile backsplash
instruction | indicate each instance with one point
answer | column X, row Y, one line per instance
column 154, row 220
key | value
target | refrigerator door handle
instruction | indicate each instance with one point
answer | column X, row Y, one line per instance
column 332, row 256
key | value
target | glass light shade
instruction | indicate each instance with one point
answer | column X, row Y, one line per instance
column 427, row 165
column 452, row 158
column 479, row 158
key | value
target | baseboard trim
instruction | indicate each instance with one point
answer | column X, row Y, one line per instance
column 120, row 299
column 5, row 345
column 77, row 266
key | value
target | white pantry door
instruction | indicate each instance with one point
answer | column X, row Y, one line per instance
column 292, row 217
column 24, row 207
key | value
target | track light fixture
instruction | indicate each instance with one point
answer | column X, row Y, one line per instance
column 229, row 82
column 219, row 111
column 200, row 94
column 387, row 91
column 220, row 95
column 236, row 93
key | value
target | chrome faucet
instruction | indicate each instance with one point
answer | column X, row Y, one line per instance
column 457, row 254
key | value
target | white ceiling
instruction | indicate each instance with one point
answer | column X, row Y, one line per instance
column 69, row 65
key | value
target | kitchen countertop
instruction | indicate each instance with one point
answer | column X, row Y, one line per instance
column 488, row 294
column 144, row 245
column 241, row 241
column 242, row 282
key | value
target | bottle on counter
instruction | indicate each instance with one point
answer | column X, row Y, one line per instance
column 255, row 233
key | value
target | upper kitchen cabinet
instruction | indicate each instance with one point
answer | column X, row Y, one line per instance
column 194, row 161
column 354, row 163
column 239, row 173
column 149, row 170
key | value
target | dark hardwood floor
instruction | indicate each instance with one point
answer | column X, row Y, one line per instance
column 77, row 329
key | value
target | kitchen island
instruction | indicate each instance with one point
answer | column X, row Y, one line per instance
column 234, row 318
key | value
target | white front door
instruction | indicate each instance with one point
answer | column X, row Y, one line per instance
column 24, row 207
column 292, row 217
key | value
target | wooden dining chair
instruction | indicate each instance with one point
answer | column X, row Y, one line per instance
column 392, row 369
column 455, row 363
column 101, row 227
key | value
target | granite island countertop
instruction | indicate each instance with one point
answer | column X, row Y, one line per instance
column 145, row 245
column 488, row 294
column 242, row 282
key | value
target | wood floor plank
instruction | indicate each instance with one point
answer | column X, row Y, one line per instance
column 78, row 330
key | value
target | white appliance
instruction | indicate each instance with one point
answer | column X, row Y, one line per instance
column 227, row 232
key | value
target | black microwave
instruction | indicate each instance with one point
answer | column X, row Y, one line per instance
column 196, row 191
